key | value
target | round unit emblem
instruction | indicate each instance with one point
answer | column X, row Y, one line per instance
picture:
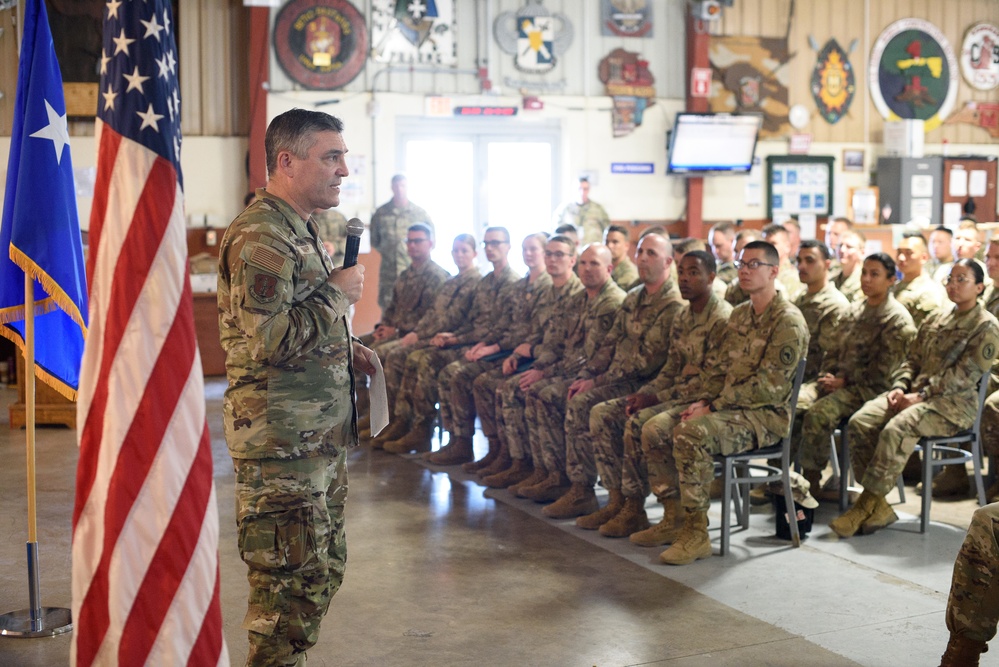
column 320, row 44
column 980, row 56
column 913, row 73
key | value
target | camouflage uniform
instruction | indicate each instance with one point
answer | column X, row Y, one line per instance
column 518, row 301
column 564, row 348
column 389, row 226
column 288, row 419
column 625, row 274
column 631, row 354
column 990, row 414
column 849, row 286
column 748, row 383
column 727, row 272
column 920, row 296
column 412, row 296
column 735, row 295
column 484, row 323
column 874, row 341
column 451, row 307
column 788, row 277
column 540, row 414
column 973, row 605
column 618, row 439
column 551, row 305
column 333, row 229
column 590, row 218
column 951, row 352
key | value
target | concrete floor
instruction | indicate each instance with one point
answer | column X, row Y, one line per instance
column 443, row 572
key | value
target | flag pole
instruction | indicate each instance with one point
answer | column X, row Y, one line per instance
column 36, row 621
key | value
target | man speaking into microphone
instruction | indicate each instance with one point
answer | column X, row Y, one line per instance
column 289, row 408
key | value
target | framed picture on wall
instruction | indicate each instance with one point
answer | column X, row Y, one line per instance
column 853, row 159
column 799, row 184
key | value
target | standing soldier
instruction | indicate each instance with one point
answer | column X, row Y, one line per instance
column 388, row 236
column 630, row 355
column 288, row 408
column 333, row 231
column 748, row 386
column 585, row 215
column 934, row 392
column 616, row 426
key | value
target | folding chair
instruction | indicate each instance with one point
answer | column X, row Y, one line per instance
column 736, row 473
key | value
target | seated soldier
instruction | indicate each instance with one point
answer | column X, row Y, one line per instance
column 451, row 307
column 850, row 255
column 721, row 238
column 874, row 340
column 745, row 400
column 419, row 386
column 616, row 426
column 919, row 293
column 942, row 253
column 778, row 237
column 973, row 605
column 934, row 392
column 625, row 273
column 735, row 294
column 990, row 415
column 683, row 246
column 630, row 355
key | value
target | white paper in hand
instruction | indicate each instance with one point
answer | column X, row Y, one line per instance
column 379, row 399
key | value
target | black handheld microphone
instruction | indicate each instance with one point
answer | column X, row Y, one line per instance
column 354, row 230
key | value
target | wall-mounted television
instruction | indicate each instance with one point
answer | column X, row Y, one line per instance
column 712, row 143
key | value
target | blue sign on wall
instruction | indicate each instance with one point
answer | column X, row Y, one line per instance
column 632, row 168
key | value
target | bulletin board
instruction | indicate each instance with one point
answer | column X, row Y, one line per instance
column 799, row 184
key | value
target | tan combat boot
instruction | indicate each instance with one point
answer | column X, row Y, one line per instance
column 485, row 461
column 518, row 471
column 459, row 450
column 393, row 431
column 951, row 481
column 962, row 652
column 417, row 439
column 848, row 523
column 539, row 475
column 499, row 464
column 664, row 532
column 692, row 543
column 631, row 519
column 882, row 516
column 552, row 488
column 599, row 517
column 580, row 499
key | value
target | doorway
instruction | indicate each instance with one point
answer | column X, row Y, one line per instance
column 470, row 174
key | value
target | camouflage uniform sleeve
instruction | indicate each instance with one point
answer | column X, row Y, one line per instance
column 907, row 371
column 671, row 370
column 376, row 230
column 601, row 359
column 975, row 360
column 389, row 317
column 277, row 328
column 600, row 323
column 712, row 378
column 652, row 351
column 768, row 386
column 829, row 336
column 897, row 340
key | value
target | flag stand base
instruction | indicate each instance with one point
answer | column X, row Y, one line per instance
column 53, row 621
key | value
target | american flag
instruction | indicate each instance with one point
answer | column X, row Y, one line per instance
column 145, row 523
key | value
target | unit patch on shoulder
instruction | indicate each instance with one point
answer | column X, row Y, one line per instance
column 263, row 286
column 787, row 355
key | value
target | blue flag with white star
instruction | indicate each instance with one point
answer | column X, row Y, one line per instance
column 40, row 229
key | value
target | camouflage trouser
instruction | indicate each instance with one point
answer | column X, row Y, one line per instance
column 821, row 420
column 545, row 417
column 511, row 419
column 289, row 518
column 617, row 446
column 881, row 443
column 455, row 383
column 973, row 606
column 696, row 441
column 581, row 464
column 990, row 426
column 484, row 396
column 417, row 396
column 656, row 438
column 394, row 363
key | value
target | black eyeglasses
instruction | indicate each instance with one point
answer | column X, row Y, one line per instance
column 752, row 264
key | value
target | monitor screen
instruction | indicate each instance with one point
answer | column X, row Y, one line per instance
column 712, row 143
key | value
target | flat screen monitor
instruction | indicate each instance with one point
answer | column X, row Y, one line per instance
column 706, row 143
